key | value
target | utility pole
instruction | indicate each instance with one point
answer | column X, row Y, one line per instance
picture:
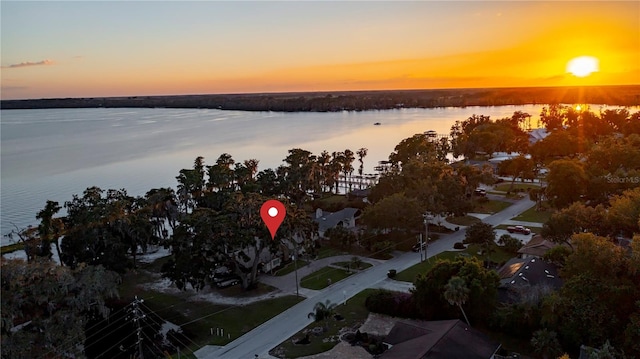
column 295, row 264
column 138, row 315
column 426, row 226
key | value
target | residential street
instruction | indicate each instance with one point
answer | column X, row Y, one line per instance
column 271, row 333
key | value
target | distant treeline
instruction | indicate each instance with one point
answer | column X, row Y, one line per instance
column 355, row 100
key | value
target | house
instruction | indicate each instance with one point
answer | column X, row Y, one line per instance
column 449, row 339
column 519, row 275
column 537, row 135
column 343, row 218
column 536, row 247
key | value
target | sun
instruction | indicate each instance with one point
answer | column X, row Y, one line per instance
column 582, row 66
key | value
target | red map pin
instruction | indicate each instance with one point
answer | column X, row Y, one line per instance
column 273, row 213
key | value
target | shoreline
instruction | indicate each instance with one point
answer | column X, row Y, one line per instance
column 336, row 101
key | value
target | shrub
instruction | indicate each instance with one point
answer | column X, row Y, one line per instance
column 511, row 245
column 395, row 304
column 557, row 255
column 483, row 200
column 458, row 245
column 384, row 247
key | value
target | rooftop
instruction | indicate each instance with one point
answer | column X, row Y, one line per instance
column 438, row 339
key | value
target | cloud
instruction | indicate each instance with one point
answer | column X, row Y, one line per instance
column 29, row 63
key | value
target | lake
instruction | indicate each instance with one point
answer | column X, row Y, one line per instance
column 55, row 153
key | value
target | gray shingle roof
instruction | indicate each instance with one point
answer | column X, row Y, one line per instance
column 438, row 339
column 330, row 220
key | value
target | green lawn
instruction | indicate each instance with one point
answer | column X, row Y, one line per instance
column 463, row 220
column 531, row 215
column 498, row 255
column 489, row 207
column 198, row 317
column 318, row 279
column 504, row 187
column 354, row 313
column 290, row 267
column 328, row 251
column 409, row 274
column 347, row 265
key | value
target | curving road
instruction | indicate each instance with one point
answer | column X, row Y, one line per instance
column 271, row 333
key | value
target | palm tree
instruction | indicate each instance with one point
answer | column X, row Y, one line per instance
column 187, row 188
column 323, row 163
column 347, row 168
column 456, row 292
column 335, row 167
column 322, row 311
column 362, row 152
column 252, row 166
column 162, row 202
column 545, row 342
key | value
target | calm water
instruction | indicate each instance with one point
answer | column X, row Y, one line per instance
column 53, row 154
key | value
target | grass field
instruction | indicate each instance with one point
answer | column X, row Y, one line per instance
column 504, row 187
column 354, row 313
column 319, row 279
column 409, row 275
column 327, row 251
column 290, row 267
column 347, row 265
column 489, row 207
column 198, row 317
column 531, row 215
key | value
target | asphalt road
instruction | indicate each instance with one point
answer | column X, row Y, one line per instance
column 271, row 333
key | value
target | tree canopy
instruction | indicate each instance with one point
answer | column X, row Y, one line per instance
column 45, row 306
column 430, row 289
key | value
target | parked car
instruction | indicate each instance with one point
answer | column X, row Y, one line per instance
column 228, row 282
column 519, row 229
column 480, row 192
column 416, row 247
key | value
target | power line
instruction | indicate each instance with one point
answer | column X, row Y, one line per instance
column 138, row 315
column 151, row 312
column 69, row 342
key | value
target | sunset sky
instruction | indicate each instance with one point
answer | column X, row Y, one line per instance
column 91, row 49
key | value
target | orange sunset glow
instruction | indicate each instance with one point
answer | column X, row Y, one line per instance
column 222, row 47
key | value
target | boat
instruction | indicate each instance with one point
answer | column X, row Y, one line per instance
column 377, row 124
